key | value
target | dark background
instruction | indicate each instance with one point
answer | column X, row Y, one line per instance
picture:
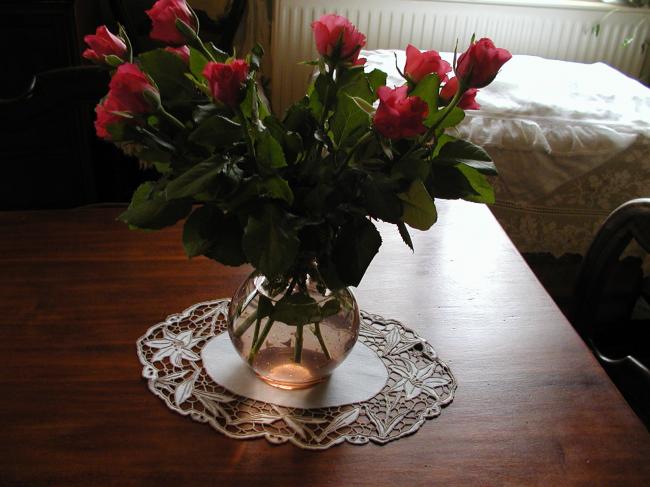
column 50, row 156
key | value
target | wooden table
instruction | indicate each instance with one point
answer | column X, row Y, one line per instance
column 77, row 289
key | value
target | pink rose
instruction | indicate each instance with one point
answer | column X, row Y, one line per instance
column 103, row 43
column 226, row 80
column 467, row 100
column 398, row 114
column 419, row 64
column 337, row 38
column 163, row 17
column 182, row 52
column 105, row 117
column 479, row 65
column 127, row 87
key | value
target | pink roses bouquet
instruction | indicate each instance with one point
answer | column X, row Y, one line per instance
column 282, row 190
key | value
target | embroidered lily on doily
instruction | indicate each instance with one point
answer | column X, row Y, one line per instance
column 176, row 347
column 416, row 380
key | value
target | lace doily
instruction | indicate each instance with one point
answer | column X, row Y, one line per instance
column 418, row 385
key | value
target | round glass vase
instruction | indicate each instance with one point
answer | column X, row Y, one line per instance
column 292, row 335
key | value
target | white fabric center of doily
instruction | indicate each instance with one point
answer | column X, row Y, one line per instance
column 361, row 376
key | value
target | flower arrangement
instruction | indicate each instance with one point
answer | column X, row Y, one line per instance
column 282, row 192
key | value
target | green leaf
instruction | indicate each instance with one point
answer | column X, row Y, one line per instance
column 320, row 95
column 376, row 78
column 277, row 188
column 168, row 71
column 269, row 151
column 254, row 59
column 480, row 185
column 462, row 151
column 364, row 105
column 217, row 132
column 441, row 141
column 210, row 232
column 299, row 119
column 465, row 150
column 404, row 233
column 412, row 166
column 200, row 230
column 250, row 104
column 227, row 248
column 356, row 245
column 348, row 123
column 297, row 309
column 113, row 60
column 378, row 194
column 150, row 210
column 427, row 89
column 460, row 181
column 454, row 118
column 419, row 208
column 269, row 242
column 195, row 180
column 197, row 63
column 353, row 82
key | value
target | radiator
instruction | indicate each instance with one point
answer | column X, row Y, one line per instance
column 557, row 29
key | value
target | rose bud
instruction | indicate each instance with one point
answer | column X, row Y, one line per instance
column 127, row 89
column 479, row 65
column 337, row 38
column 419, row 64
column 399, row 115
column 103, row 43
column 163, row 17
column 106, row 117
column 182, row 52
column 467, row 100
column 226, row 81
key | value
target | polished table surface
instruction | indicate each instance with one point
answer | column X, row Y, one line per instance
column 78, row 288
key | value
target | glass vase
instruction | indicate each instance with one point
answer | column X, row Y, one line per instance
column 293, row 333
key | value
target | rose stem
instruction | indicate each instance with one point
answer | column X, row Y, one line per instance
column 257, row 344
column 321, row 341
column 297, row 351
column 257, row 329
column 246, row 324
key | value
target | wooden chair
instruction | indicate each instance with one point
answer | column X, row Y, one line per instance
column 612, row 296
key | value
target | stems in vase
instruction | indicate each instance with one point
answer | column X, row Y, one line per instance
column 256, row 332
column 321, row 341
column 297, row 351
column 258, row 344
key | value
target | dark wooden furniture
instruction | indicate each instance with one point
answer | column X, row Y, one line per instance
column 533, row 406
column 605, row 303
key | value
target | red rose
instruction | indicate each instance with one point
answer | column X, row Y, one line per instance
column 102, row 44
column 419, row 64
column 336, row 37
column 105, row 117
column 226, row 80
column 163, row 17
column 127, row 87
column 398, row 114
column 479, row 65
column 467, row 101
column 182, row 52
